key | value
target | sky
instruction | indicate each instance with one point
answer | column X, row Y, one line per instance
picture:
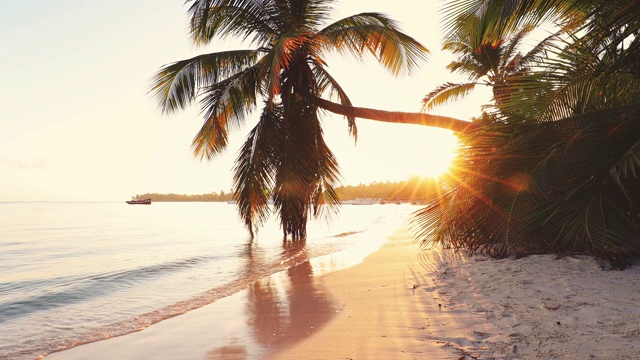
column 77, row 123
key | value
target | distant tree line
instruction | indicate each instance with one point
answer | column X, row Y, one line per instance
column 214, row 196
column 412, row 190
column 415, row 189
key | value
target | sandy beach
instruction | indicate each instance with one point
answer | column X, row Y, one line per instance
column 405, row 303
column 538, row 307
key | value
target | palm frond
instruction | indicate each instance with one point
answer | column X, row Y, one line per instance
column 468, row 66
column 280, row 57
column 577, row 79
column 512, row 45
column 380, row 36
column 460, row 13
column 254, row 168
column 554, row 187
column 234, row 18
column 508, row 15
column 458, row 45
column 225, row 105
column 175, row 86
column 309, row 14
column 326, row 82
column 446, row 93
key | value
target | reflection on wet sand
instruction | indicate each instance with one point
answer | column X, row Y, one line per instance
column 282, row 313
column 282, row 308
column 228, row 352
column 263, row 318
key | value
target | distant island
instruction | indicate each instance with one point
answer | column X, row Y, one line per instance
column 415, row 189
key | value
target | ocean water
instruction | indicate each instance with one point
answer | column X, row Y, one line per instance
column 77, row 272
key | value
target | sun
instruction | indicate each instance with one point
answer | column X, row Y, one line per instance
column 396, row 153
column 437, row 151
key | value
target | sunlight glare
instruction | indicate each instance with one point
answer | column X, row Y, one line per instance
column 438, row 151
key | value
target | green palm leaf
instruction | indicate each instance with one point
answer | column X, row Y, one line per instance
column 380, row 36
column 445, row 93
column 326, row 82
column 232, row 18
column 225, row 104
column 254, row 168
column 175, row 86
column 548, row 187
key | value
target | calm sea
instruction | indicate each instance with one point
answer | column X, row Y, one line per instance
column 76, row 272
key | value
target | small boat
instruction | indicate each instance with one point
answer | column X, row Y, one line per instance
column 139, row 202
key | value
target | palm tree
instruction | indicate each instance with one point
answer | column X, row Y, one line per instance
column 488, row 57
column 284, row 156
column 565, row 182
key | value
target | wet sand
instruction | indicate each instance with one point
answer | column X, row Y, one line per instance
column 271, row 313
column 402, row 303
column 391, row 308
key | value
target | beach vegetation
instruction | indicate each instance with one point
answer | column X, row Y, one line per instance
column 491, row 58
column 555, row 168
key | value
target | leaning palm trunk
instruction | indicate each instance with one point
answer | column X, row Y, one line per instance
column 398, row 117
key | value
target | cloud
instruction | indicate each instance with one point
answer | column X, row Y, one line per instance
column 35, row 164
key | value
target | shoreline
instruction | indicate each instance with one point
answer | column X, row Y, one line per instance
column 401, row 302
column 388, row 310
column 251, row 317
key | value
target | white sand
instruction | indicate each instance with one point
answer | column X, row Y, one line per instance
column 543, row 307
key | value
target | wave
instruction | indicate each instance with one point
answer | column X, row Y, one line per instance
column 63, row 291
column 290, row 257
column 63, row 309
column 348, row 233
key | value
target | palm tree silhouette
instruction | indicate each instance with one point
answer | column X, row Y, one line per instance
column 285, row 157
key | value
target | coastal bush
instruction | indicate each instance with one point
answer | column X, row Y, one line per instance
column 554, row 167
column 564, row 187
